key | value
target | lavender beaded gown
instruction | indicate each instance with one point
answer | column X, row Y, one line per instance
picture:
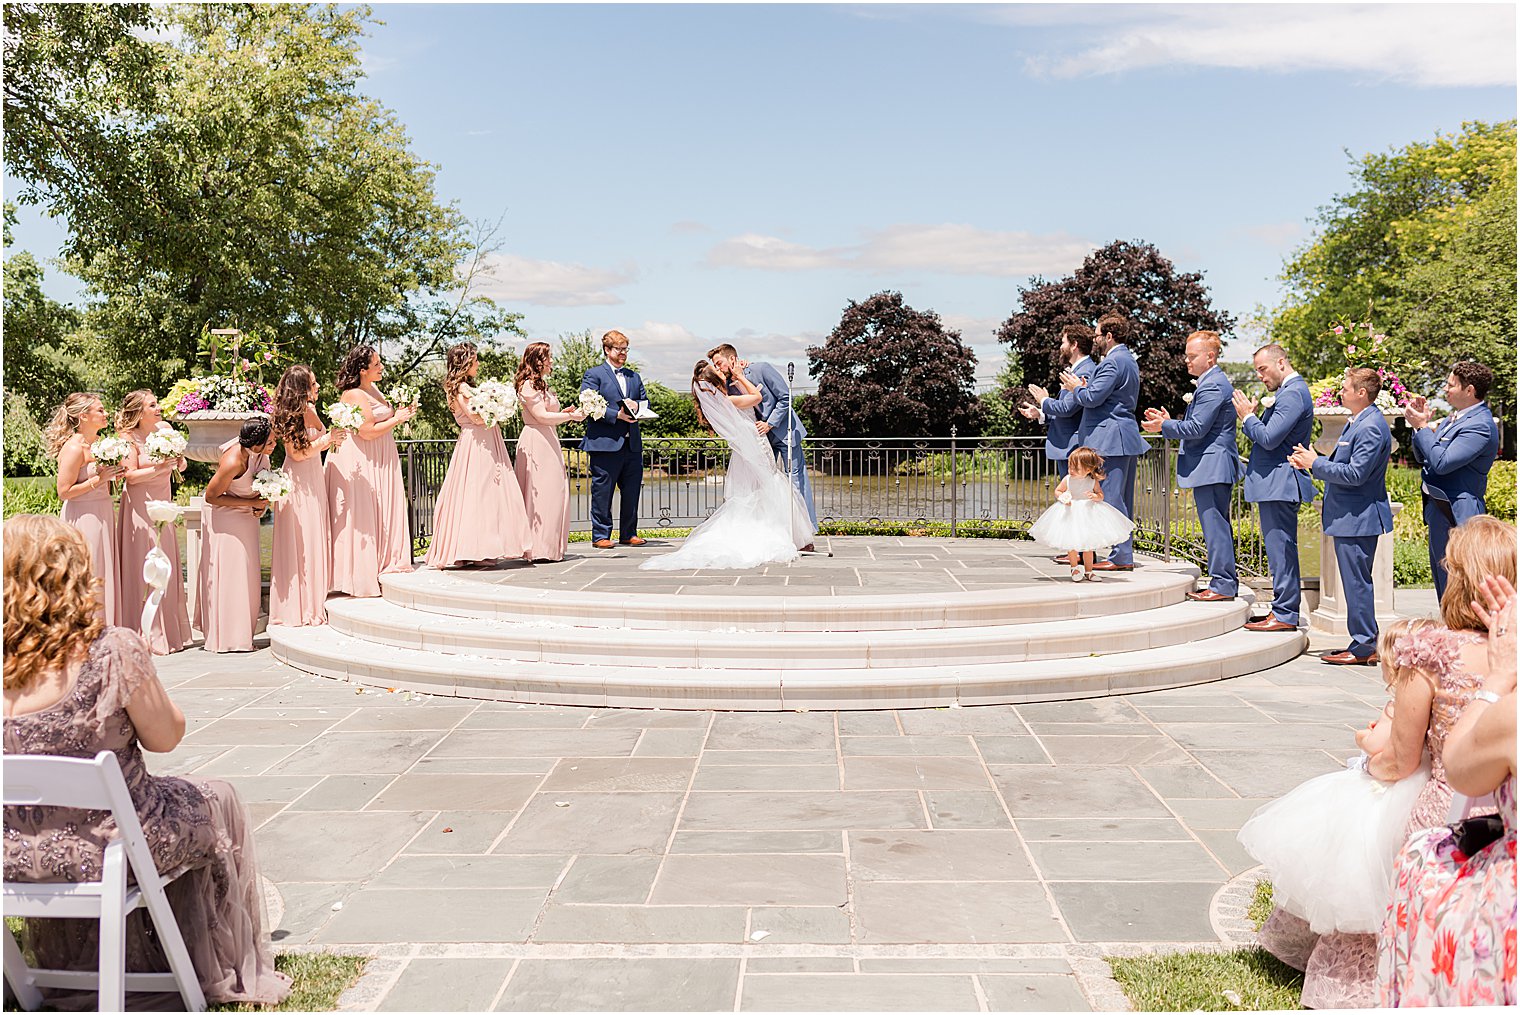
column 198, row 827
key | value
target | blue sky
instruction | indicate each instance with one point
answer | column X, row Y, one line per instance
column 692, row 174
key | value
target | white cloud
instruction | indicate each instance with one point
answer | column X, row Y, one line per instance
column 515, row 279
column 950, row 248
column 1435, row 45
column 974, row 330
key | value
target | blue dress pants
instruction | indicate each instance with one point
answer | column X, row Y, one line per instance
column 624, row 470
column 1279, row 530
column 1353, row 558
column 1213, row 503
column 1119, row 490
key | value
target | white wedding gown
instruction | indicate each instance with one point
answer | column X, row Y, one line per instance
column 762, row 519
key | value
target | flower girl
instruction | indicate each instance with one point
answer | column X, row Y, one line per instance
column 1079, row 521
column 1329, row 843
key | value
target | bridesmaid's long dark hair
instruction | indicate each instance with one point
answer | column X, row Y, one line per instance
column 531, row 369
column 456, row 368
column 290, row 399
column 354, row 364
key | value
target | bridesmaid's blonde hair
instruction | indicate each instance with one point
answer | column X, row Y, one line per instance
column 132, row 407
column 457, row 368
column 65, row 421
column 52, row 598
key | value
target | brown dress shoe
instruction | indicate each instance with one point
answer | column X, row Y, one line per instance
column 1347, row 659
column 1108, row 565
column 810, row 548
column 1208, row 596
column 1269, row 623
column 634, row 541
column 603, row 544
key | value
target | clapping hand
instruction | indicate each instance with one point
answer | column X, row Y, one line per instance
column 1302, row 457
column 1153, row 420
column 1418, row 412
column 1497, row 611
column 1029, row 411
column 1038, row 393
column 1071, row 382
column 1245, row 405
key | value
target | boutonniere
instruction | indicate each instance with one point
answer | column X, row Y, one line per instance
column 1267, row 401
column 1188, row 397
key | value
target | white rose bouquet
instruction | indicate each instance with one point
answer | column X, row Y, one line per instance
column 161, row 512
column 493, row 401
column 165, row 444
column 273, row 485
column 401, row 394
column 345, row 416
column 593, row 404
column 109, row 451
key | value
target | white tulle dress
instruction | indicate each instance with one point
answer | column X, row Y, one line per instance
column 1083, row 524
column 762, row 519
column 1330, row 843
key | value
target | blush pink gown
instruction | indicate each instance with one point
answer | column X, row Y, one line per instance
column 94, row 516
column 541, row 474
column 228, row 606
column 366, row 508
column 136, row 534
column 479, row 514
column 301, row 566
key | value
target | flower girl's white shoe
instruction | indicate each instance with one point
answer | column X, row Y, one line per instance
column 1076, row 573
column 1092, row 576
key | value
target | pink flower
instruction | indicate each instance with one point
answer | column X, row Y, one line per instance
column 1339, row 330
column 268, row 356
column 246, row 364
column 1351, row 349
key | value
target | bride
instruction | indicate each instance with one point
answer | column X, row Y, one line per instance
column 762, row 519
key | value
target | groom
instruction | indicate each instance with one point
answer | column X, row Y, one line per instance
column 774, row 418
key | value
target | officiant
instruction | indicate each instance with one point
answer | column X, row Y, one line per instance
column 775, row 419
column 614, row 446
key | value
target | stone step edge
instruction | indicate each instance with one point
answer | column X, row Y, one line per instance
column 1057, row 601
column 324, row 652
column 384, row 624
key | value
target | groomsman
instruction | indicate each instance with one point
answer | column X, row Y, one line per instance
column 1455, row 456
column 1108, row 399
column 1274, row 485
column 1062, row 414
column 614, row 446
column 1207, row 462
column 1356, row 508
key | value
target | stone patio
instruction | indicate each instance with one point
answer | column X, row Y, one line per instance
column 516, row 857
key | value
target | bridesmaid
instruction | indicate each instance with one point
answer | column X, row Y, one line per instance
column 84, row 487
column 136, row 533
column 366, row 501
column 479, row 516
column 301, row 569
column 540, row 465
column 228, row 607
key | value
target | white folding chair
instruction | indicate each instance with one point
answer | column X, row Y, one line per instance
column 1463, row 806
column 39, row 780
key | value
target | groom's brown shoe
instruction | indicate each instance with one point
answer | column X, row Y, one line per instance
column 635, row 541
column 603, row 544
column 810, row 548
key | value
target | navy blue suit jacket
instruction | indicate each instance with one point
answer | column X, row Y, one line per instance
column 1108, row 406
column 1282, row 426
column 610, row 433
column 1063, row 414
column 1356, row 489
column 1455, row 458
column 1207, row 431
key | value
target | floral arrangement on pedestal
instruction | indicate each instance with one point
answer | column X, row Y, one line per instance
column 1362, row 345
column 214, row 404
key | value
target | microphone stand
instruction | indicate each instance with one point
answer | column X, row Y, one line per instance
column 791, row 430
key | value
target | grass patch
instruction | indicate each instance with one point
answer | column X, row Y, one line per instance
column 317, row 979
column 1261, row 904
column 1199, row 981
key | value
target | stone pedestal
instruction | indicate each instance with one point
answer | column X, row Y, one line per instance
column 1329, row 615
column 209, row 429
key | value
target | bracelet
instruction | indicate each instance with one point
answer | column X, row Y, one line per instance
column 1488, row 696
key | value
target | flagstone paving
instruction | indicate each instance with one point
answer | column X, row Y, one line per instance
column 495, row 856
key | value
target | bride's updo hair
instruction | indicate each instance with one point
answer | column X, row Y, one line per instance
column 705, row 373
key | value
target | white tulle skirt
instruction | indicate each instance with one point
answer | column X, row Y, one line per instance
column 1329, row 845
column 1081, row 525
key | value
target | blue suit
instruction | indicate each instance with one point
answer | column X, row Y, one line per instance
column 1277, row 488
column 775, row 408
column 1454, row 461
column 1063, row 417
column 1108, row 427
column 616, row 451
column 1357, row 512
column 1209, row 465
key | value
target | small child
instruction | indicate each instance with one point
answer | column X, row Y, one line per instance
column 1329, row 843
column 1079, row 521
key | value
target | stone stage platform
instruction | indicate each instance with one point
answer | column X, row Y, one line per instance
column 883, row 623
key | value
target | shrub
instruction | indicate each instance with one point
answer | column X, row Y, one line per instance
column 1500, row 497
column 1411, row 563
column 31, row 496
column 25, row 445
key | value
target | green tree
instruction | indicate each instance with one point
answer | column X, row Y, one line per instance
column 231, row 173
column 1395, row 241
column 42, row 361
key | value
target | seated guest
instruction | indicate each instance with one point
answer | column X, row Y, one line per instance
column 74, row 687
column 1455, row 455
column 1433, row 673
column 1356, row 508
column 1207, row 462
column 1449, row 936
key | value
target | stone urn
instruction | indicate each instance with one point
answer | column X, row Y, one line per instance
column 1332, row 423
column 209, row 429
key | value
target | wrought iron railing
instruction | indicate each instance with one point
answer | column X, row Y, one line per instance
column 971, row 486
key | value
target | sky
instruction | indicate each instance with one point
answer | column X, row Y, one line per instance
column 693, row 174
